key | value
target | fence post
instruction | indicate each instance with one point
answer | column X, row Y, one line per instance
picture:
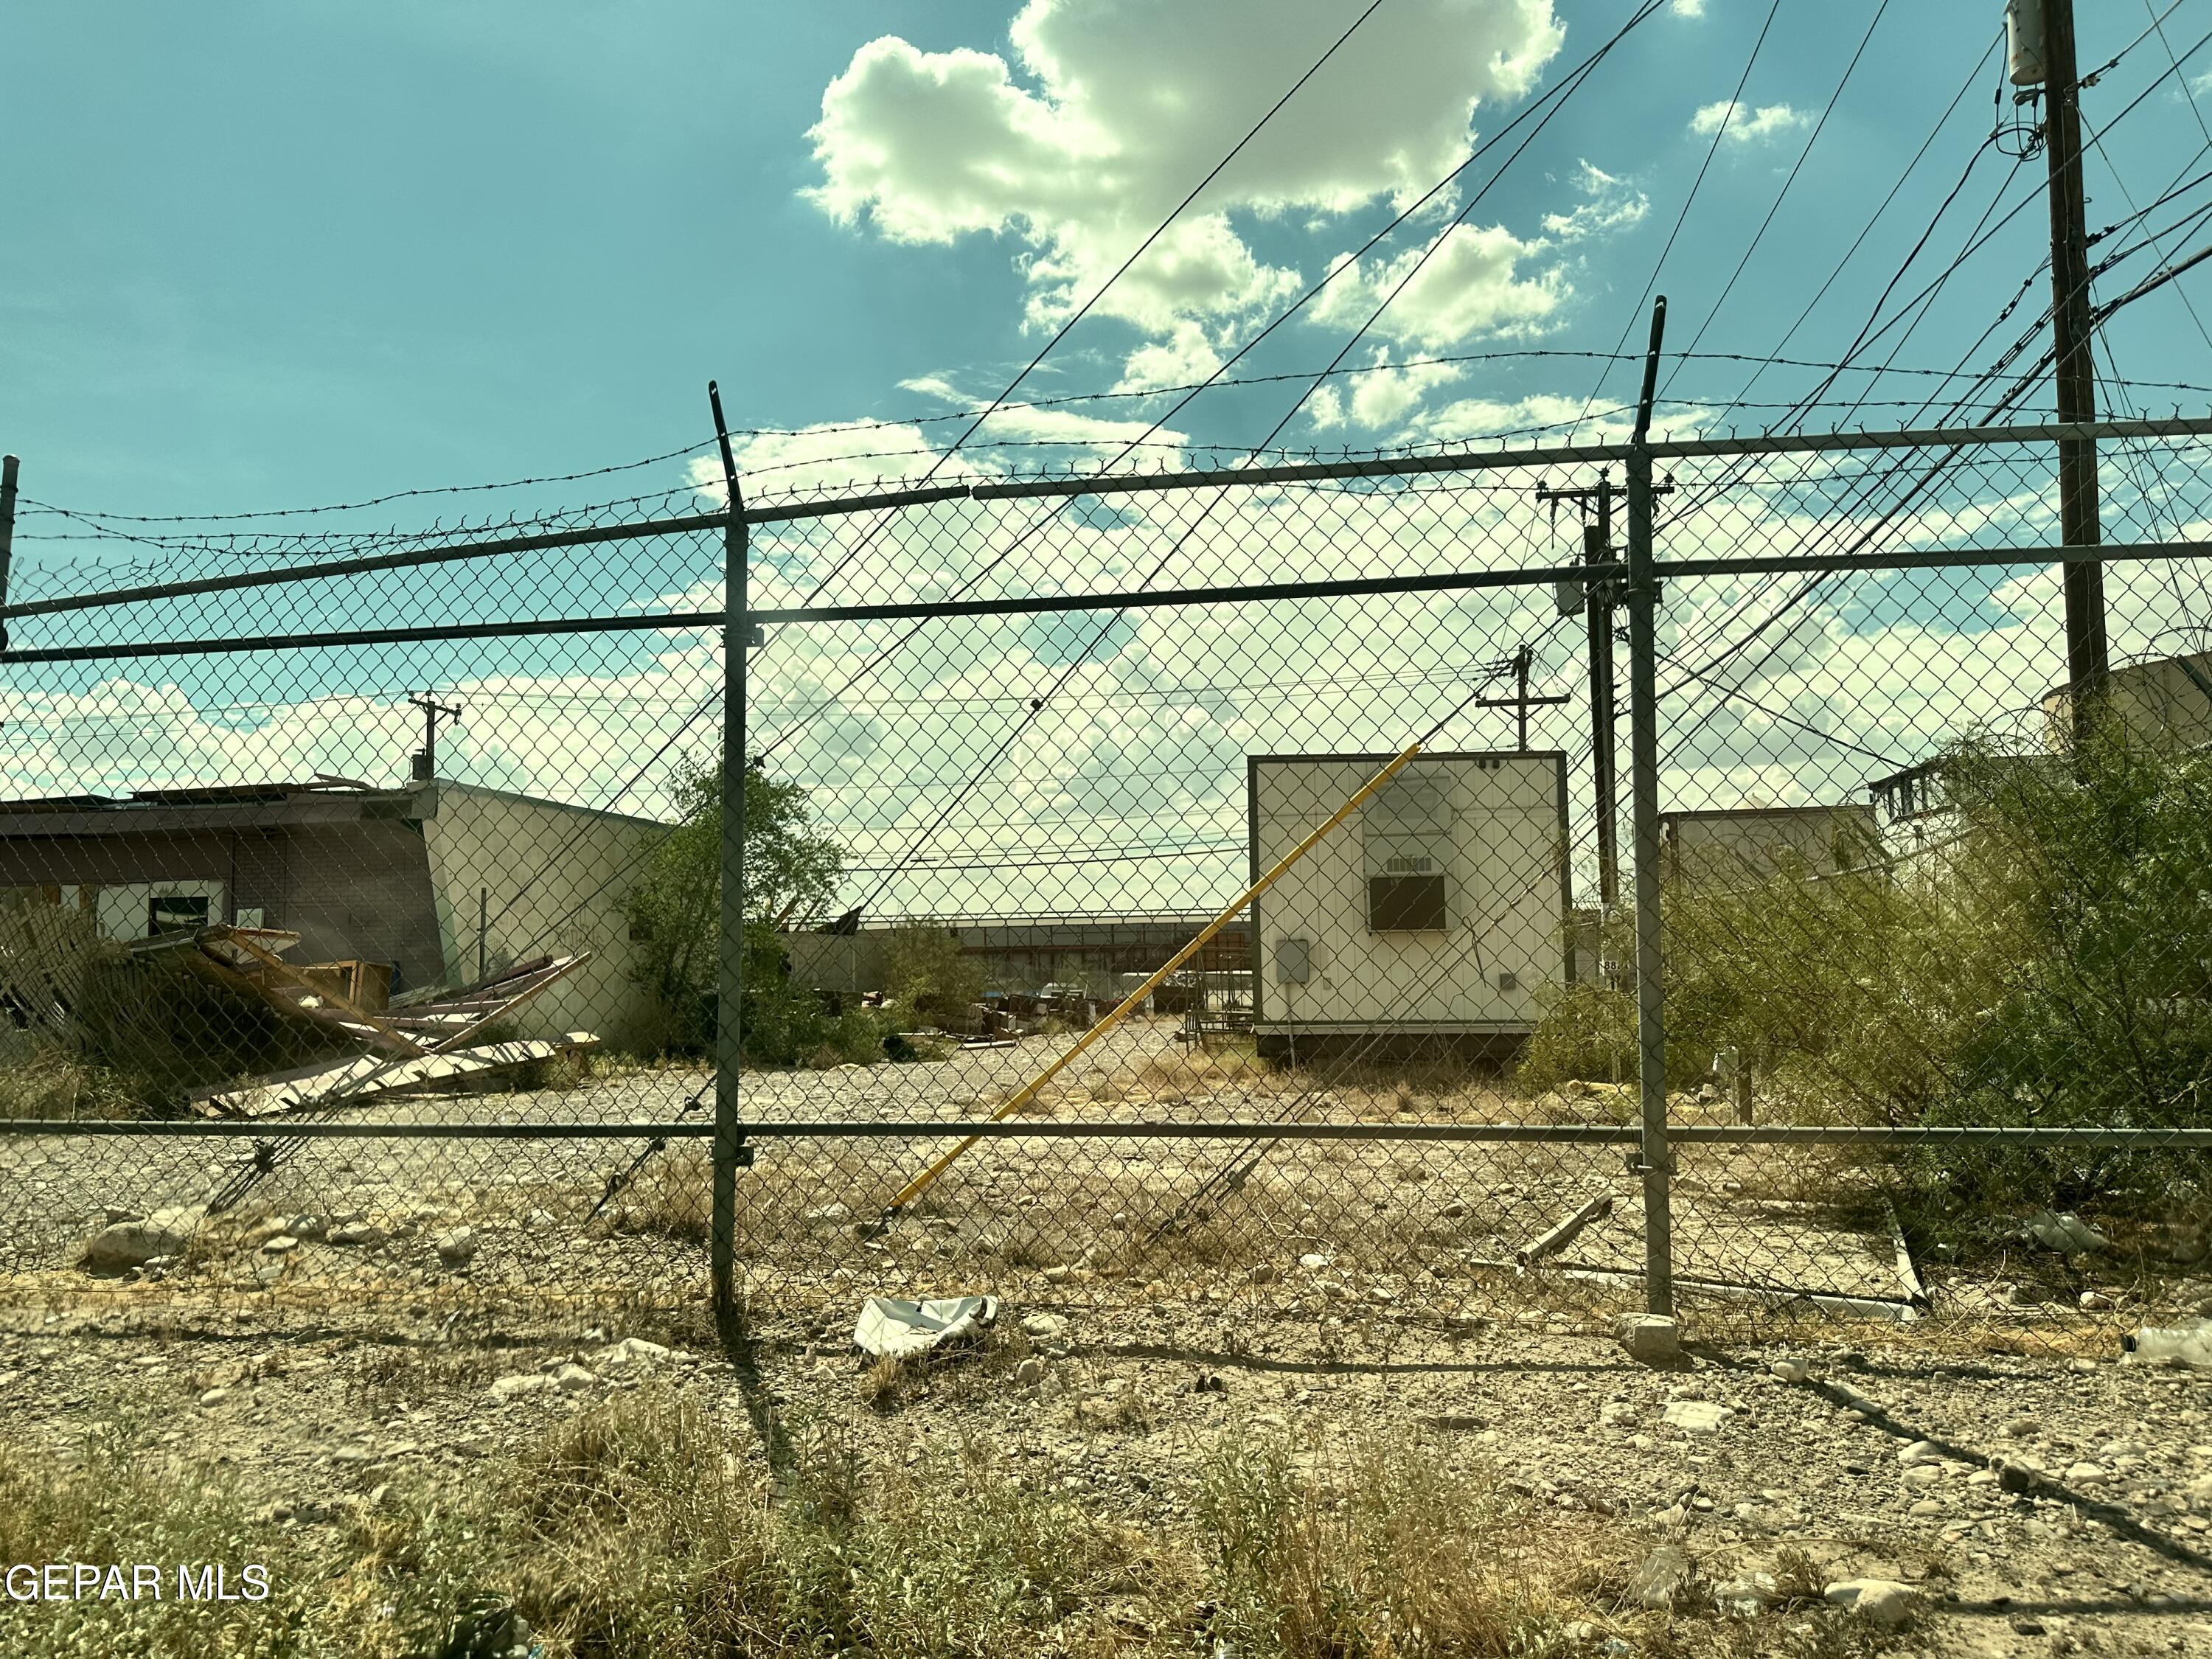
column 8, row 469
column 1641, row 594
column 729, row 982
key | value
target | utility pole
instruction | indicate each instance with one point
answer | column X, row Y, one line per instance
column 426, row 760
column 1520, row 702
column 1521, row 660
column 2073, row 370
column 1597, row 607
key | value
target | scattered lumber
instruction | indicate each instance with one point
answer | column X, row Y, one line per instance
column 422, row 1040
column 1564, row 1233
column 364, row 1075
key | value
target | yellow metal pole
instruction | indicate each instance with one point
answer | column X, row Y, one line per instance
column 921, row 1183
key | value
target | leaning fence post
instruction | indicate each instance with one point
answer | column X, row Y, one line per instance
column 8, row 468
column 1642, row 595
column 730, row 962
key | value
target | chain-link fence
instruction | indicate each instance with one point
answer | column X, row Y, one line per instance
column 1424, row 887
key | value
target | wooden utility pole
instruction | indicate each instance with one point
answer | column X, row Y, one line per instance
column 1520, row 702
column 2074, row 371
column 1597, row 607
column 426, row 762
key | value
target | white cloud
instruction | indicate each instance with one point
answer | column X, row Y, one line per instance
column 1548, row 412
column 1689, row 8
column 1612, row 206
column 1184, row 358
column 1745, row 124
column 1107, row 112
column 1471, row 284
column 1378, row 397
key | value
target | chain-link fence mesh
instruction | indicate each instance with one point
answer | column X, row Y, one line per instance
column 426, row 855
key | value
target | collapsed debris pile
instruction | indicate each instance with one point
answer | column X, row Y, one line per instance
column 441, row 1038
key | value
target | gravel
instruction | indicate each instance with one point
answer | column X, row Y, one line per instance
column 1997, row 1489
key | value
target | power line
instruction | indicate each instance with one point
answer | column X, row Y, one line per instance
column 1720, row 132
column 1775, row 206
column 1818, row 582
column 1911, row 166
column 1061, row 333
column 1104, row 631
column 1644, row 10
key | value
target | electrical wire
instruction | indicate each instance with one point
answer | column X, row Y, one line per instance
column 1775, row 206
column 1559, row 100
column 1720, row 132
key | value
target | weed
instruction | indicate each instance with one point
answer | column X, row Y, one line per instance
column 644, row 1525
column 882, row 1383
column 38, row 1079
column 1390, row 1551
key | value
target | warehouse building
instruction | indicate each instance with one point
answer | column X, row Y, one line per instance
column 1741, row 846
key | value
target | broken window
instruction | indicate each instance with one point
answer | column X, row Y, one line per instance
column 173, row 912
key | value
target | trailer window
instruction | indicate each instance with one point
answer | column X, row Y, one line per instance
column 1406, row 904
column 1407, row 831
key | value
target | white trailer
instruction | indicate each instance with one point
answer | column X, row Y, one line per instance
column 1437, row 912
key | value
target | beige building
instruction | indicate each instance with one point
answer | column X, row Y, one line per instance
column 1744, row 845
column 443, row 883
column 2167, row 701
column 1437, row 911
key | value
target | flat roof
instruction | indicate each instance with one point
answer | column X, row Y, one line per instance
column 1763, row 811
column 254, row 805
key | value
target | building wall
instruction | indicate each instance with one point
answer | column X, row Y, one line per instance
column 1739, row 848
column 852, row 963
column 1023, row 954
column 1506, row 878
column 547, row 880
column 359, row 890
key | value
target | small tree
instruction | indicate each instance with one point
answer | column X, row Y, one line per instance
column 928, row 975
column 792, row 867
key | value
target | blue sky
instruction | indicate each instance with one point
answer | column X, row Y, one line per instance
column 265, row 255
column 276, row 256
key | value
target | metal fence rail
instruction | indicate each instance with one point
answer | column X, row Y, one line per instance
column 271, row 981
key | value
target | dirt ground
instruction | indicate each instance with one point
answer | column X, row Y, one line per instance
column 1143, row 1209
column 2040, row 1496
column 2037, row 1504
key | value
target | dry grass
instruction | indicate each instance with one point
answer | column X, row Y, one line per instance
column 40, row 1080
column 1375, row 1547
column 1200, row 1071
column 644, row 1526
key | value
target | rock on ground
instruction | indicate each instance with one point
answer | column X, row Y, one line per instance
column 134, row 1244
column 1882, row 1601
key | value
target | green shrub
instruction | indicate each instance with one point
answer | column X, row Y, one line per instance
column 2049, row 967
column 928, row 975
column 2098, row 871
column 1588, row 1031
column 792, row 868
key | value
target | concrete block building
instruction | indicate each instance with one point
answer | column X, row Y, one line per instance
column 445, row 882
